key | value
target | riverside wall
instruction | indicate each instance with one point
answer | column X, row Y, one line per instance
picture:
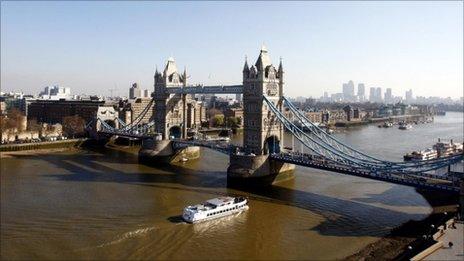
column 43, row 145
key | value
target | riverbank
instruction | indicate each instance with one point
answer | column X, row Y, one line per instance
column 12, row 154
column 384, row 119
column 42, row 145
column 394, row 246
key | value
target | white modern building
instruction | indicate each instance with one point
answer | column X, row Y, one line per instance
column 55, row 92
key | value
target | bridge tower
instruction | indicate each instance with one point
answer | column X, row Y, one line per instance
column 170, row 109
column 262, row 132
column 171, row 115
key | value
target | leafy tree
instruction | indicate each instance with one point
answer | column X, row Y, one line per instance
column 73, row 125
column 218, row 120
column 233, row 122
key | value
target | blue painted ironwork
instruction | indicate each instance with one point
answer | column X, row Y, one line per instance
column 217, row 89
column 318, row 146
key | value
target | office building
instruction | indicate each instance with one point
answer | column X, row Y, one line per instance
column 388, row 96
column 408, row 96
column 135, row 92
column 378, row 94
column 361, row 92
column 53, row 111
column 55, row 92
column 348, row 91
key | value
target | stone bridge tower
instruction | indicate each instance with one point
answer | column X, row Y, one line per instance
column 170, row 109
column 262, row 132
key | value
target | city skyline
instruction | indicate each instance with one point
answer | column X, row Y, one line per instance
column 421, row 52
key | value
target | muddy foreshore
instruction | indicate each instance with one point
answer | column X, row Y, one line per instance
column 394, row 246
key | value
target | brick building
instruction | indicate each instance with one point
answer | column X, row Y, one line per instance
column 53, row 111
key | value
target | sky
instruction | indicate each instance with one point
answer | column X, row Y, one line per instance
column 93, row 47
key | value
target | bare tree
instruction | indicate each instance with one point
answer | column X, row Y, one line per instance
column 73, row 125
column 3, row 123
column 32, row 125
column 12, row 120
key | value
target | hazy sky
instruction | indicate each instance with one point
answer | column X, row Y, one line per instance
column 96, row 46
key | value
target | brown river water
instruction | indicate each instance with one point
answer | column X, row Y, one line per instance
column 104, row 205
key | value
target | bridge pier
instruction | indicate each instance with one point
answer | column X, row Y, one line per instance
column 259, row 170
column 161, row 152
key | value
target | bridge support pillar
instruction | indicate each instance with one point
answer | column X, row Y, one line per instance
column 248, row 170
column 162, row 152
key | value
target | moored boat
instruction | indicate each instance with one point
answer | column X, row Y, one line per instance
column 405, row 126
column 448, row 148
column 427, row 154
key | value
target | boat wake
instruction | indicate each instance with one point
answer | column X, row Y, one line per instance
column 121, row 238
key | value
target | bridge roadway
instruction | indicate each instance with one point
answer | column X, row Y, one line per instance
column 422, row 180
column 419, row 180
column 130, row 135
column 220, row 146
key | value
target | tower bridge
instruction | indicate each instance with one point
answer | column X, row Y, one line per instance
column 261, row 158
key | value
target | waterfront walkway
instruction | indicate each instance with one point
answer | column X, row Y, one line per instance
column 454, row 253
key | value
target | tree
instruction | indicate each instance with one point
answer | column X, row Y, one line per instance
column 12, row 120
column 3, row 123
column 73, row 125
column 218, row 120
column 32, row 125
column 213, row 112
column 233, row 122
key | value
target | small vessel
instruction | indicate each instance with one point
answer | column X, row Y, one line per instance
column 387, row 124
column 329, row 131
column 226, row 139
column 214, row 208
column 405, row 126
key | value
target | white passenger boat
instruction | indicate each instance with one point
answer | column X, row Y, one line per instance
column 448, row 148
column 427, row 154
column 214, row 208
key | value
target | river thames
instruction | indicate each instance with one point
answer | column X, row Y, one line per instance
column 83, row 204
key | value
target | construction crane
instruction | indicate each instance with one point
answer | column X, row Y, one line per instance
column 114, row 89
